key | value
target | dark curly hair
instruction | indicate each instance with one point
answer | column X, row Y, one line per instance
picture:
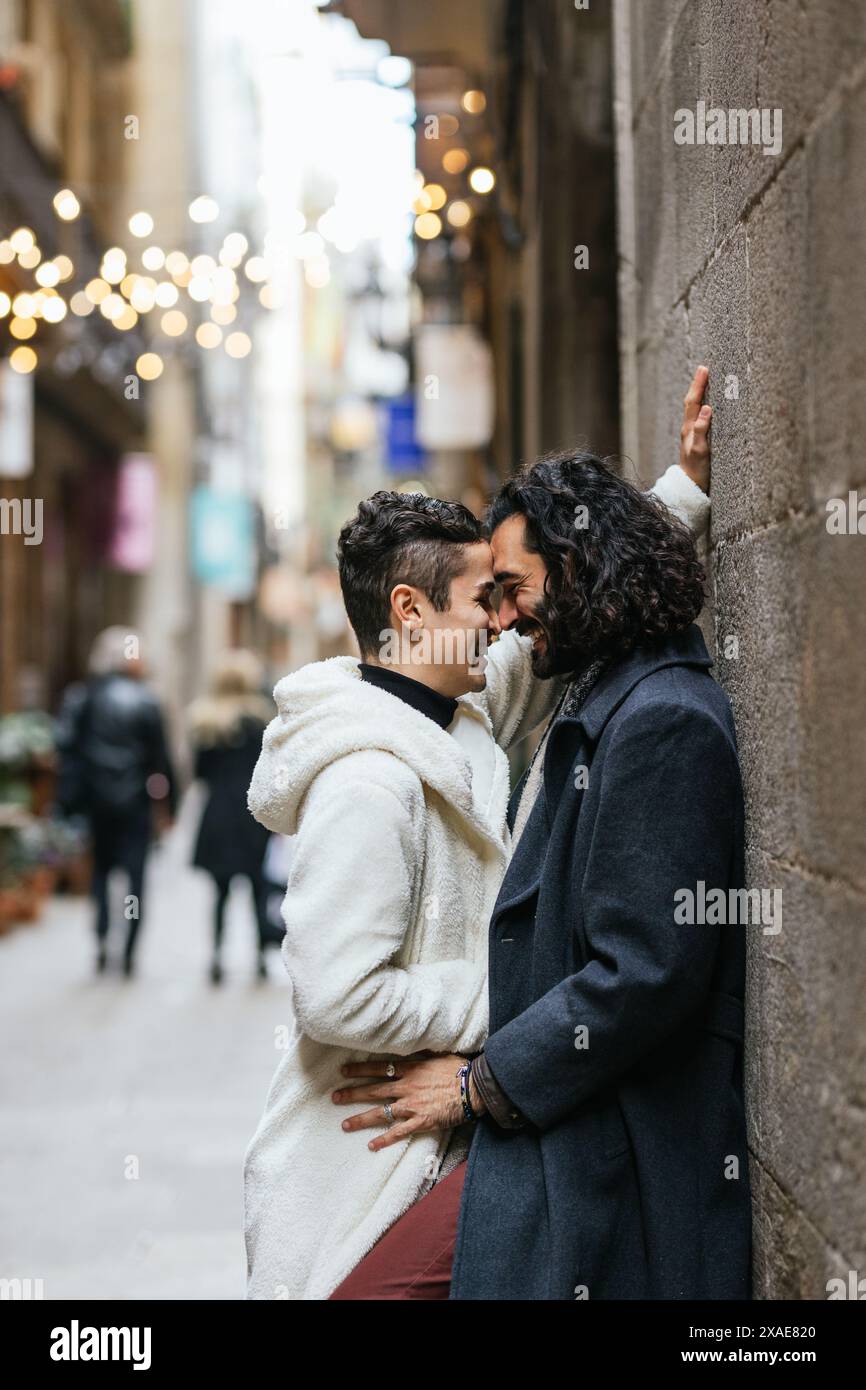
column 619, row 574
column 400, row 537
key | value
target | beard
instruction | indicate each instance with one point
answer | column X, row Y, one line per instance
column 554, row 655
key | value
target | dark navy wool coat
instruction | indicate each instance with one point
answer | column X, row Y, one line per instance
column 631, row 1180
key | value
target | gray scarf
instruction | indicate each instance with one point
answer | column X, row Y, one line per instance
column 572, row 699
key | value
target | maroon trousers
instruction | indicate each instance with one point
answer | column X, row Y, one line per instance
column 413, row 1258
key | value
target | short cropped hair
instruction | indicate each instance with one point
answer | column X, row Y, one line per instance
column 400, row 537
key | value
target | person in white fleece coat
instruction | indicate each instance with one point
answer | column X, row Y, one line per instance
column 402, row 844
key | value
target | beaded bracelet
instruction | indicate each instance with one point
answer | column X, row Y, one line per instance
column 464, row 1074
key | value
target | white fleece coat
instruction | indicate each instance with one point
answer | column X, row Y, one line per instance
column 402, row 844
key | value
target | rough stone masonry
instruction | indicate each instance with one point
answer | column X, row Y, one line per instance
column 756, row 265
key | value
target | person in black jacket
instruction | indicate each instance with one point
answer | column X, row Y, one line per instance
column 114, row 767
column 226, row 729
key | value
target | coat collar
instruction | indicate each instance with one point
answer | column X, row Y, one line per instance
column 686, row 648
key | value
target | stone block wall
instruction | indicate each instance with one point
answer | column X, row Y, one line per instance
column 755, row 264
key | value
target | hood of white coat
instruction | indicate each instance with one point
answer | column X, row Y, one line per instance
column 326, row 710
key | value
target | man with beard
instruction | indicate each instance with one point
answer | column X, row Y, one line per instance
column 609, row 1157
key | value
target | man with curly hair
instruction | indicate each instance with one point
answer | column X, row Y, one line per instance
column 609, row 1157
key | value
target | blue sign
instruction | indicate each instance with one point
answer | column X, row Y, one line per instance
column 222, row 541
column 402, row 450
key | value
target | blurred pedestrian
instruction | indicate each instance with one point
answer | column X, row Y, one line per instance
column 115, row 769
column 226, row 730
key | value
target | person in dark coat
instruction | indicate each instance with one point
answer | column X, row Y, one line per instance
column 115, row 770
column 226, row 729
column 609, row 1159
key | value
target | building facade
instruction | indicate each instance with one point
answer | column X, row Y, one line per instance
column 62, row 103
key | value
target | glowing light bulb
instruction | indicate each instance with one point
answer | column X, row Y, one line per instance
column 143, row 297
column 21, row 240
column 199, row 288
column 474, row 102
column 204, row 209
column 208, row 335
column 436, row 196
column 23, row 360
column 238, row 344
column 455, row 161
column 24, row 305
column 141, row 224
column 174, row 323
column 96, row 290
column 54, row 309
column 66, row 205
column 153, row 258
column 428, row 226
column 482, row 180
column 149, row 366
column 166, row 294
column 459, row 213
column 112, row 306
column 176, row 263
column 256, row 269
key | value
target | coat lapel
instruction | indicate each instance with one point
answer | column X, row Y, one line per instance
column 686, row 648
column 524, row 871
column 573, row 738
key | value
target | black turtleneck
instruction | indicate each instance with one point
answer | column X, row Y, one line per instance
column 439, row 708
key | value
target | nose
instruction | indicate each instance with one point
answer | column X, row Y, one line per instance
column 494, row 627
column 508, row 614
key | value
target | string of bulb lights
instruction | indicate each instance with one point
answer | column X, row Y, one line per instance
column 179, row 286
column 169, row 282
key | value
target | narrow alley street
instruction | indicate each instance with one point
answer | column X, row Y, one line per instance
column 339, row 340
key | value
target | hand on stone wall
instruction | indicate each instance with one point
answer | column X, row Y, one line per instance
column 694, row 435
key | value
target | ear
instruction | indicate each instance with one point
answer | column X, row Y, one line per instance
column 404, row 603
